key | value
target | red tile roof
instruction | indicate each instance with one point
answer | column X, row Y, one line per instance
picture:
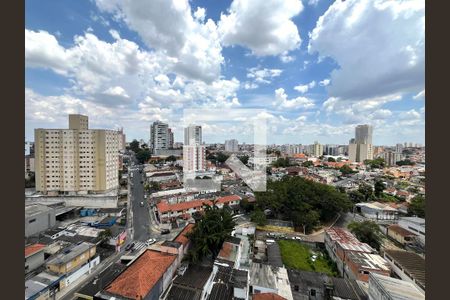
column 267, row 296
column 181, row 238
column 225, row 251
column 32, row 249
column 163, row 206
column 141, row 276
column 400, row 230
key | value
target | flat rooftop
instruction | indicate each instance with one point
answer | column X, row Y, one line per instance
column 369, row 261
column 75, row 251
column 347, row 240
column 194, row 277
column 35, row 209
column 102, row 280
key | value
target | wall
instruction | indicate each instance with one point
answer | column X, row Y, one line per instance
column 78, row 273
column 43, row 221
column 399, row 272
column 102, row 201
column 34, row 261
column 73, row 264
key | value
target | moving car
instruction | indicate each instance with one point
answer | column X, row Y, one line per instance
column 142, row 203
column 129, row 246
column 165, row 231
column 149, row 242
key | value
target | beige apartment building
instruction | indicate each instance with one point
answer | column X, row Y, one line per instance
column 77, row 160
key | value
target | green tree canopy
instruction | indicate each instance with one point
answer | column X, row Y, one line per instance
column 171, row 158
column 405, row 162
column 346, row 170
column 258, row 217
column 417, row 206
column 307, row 164
column 366, row 190
column 209, row 233
column 244, row 159
column 331, row 159
column 379, row 188
column 367, row 232
column 143, row 156
column 134, row 146
column 302, row 201
column 281, row 163
column 356, row 196
column 222, row 157
column 376, row 163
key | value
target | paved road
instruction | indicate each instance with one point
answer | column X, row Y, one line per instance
column 141, row 217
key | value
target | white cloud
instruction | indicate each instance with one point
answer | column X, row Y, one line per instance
column 281, row 101
column 263, row 75
column 324, row 82
column 303, row 88
column 313, row 2
column 169, row 26
column 378, row 45
column 380, row 114
column 265, row 27
column 285, row 58
column 420, row 95
column 410, row 115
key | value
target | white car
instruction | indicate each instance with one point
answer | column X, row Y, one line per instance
column 150, row 242
column 314, row 257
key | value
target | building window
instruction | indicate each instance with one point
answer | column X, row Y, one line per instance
column 312, row 292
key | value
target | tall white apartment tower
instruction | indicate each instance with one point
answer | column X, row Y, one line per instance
column 360, row 148
column 77, row 160
column 193, row 133
column 194, row 153
column 159, row 136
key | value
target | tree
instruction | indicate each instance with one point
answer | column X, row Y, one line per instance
column 281, row 163
column 134, row 146
column 105, row 235
column 143, row 156
column 346, row 170
column 366, row 190
column 376, row 163
column 379, row 188
column 307, row 164
column 30, row 182
column 171, row 158
column 405, row 162
column 356, row 196
column 258, row 217
column 155, row 186
column 209, row 232
column 244, row 159
column 417, row 206
column 367, row 232
column 246, row 206
column 222, row 157
column 331, row 159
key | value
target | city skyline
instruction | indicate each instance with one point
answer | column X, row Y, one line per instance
column 102, row 59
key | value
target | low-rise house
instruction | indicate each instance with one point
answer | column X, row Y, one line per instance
column 230, row 252
column 146, row 278
column 387, row 288
column 319, row 286
column 340, row 242
column 41, row 286
column 407, row 266
column 34, row 257
column 183, row 239
column 401, row 235
column 415, row 225
column 228, row 283
column 71, row 258
column 359, row 265
column 269, row 279
column 161, row 176
column 167, row 211
column 192, row 285
column 377, row 211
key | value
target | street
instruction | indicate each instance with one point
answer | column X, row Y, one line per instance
column 141, row 217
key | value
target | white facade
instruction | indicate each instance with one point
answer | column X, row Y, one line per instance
column 159, row 136
column 267, row 160
column 231, row 145
column 193, row 135
column 415, row 225
column 317, row 149
column 391, row 158
column 360, row 148
column 76, row 160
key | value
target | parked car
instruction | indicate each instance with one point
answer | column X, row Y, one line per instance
column 150, row 242
column 165, row 231
column 129, row 246
column 142, row 203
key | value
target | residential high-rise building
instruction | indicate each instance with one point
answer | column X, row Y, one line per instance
column 231, row 145
column 391, row 157
column 360, row 148
column 317, row 149
column 122, row 140
column 76, row 160
column 194, row 153
column 170, row 140
column 159, row 136
column 399, row 148
column 193, row 135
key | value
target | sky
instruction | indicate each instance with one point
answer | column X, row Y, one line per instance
column 317, row 68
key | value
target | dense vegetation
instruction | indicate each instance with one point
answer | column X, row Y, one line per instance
column 376, row 163
column 305, row 203
column 405, row 162
column 307, row 164
column 281, row 163
column 258, row 217
column 417, row 206
column 209, row 232
column 367, row 232
column 30, row 182
column 142, row 153
column 346, row 170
